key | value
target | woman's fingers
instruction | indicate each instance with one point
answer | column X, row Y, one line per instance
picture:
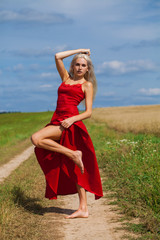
column 89, row 52
column 86, row 51
column 64, row 124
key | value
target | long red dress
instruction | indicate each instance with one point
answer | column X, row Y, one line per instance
column 60, row 172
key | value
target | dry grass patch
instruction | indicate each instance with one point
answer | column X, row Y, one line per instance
column 136, row 119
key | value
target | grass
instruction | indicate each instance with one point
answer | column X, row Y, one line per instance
column 131, row 171
column 131, row 168
column 15, row 130
column 22, row 205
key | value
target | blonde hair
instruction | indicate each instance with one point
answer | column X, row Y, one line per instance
column 89, row 75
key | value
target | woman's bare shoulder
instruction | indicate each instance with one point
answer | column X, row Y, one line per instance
column 87, row 87
column 88, row 84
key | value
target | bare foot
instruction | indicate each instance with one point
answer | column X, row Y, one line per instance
column 78, row 160
column 78, row 214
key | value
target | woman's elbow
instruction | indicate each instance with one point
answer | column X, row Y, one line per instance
column 89, row 114
column 56, row 56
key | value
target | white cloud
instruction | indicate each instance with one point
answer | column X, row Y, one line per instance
column 120, row 68
column 32, row 15
column 47, row 75
column 138, row 32
column 34, row 67
column 18, row 67
column 107, row 94
column 150, row 91
column 46, row 86
column 140, row 44
column 44, row 52
column 34, row 52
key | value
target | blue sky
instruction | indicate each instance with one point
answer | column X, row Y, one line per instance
column 124, row 38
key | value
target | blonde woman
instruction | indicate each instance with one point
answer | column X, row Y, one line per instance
column 64, row 148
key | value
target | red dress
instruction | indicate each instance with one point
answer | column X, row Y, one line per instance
column 62, row 173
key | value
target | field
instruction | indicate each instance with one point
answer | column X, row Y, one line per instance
column 136, row 119
column 129, row 159
column 16, row 129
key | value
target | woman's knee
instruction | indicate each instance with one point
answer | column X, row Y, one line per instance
column 35, row 139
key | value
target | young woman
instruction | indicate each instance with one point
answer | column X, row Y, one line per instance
column 64, row 149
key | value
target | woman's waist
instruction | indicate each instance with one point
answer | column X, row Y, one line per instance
column 71, row 109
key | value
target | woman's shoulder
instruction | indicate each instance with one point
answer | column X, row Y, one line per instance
column 88, row 84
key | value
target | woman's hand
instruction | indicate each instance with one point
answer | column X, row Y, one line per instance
column 86, row 51
column 66, row 123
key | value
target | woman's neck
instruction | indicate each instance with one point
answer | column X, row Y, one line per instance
column 76, row 78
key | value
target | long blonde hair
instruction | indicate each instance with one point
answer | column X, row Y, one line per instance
column 89, row 75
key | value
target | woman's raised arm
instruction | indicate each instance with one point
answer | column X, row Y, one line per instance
column 59, row 61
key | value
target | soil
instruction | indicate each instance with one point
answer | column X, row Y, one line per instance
column 8, row 168
column 103, row 222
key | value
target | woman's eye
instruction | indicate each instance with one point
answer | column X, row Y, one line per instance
column 83, row 65
column 77, row 64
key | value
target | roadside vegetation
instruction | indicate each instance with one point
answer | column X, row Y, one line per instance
column 23, row 206
column 131, row 173
column 130, row 164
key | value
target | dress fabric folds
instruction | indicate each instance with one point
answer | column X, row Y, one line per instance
column 60, row 172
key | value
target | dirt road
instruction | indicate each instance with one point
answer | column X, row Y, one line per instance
column 8, row 168
column 103, row 222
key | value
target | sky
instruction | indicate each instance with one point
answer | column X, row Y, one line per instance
column 123, row 36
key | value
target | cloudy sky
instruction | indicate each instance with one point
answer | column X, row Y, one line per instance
column 124, row 38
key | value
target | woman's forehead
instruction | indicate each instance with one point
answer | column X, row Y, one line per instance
column 81, row 60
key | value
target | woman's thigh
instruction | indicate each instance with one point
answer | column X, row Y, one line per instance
column 52, row 131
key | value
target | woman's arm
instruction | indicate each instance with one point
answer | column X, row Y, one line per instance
column 88, row 90
column 59, row 61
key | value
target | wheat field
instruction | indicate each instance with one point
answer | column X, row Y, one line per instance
column 136, row 119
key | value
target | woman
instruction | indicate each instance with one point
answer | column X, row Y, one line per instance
column 64, row 149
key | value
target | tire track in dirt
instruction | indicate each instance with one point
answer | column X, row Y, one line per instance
column 8, row 168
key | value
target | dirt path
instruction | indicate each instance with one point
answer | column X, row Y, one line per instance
column 103, row 222
column 8, row 168
column 98, row 226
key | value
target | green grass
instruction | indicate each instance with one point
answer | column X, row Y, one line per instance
column 16, row 129
column 131, row 166
column 131, row 172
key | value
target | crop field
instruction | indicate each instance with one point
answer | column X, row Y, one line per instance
column 129, row 159
column 136, row 119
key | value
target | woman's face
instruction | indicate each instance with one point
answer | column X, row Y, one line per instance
column 80, row 67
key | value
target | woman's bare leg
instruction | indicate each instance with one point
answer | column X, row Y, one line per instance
column 82, row 211
column 46, row 138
